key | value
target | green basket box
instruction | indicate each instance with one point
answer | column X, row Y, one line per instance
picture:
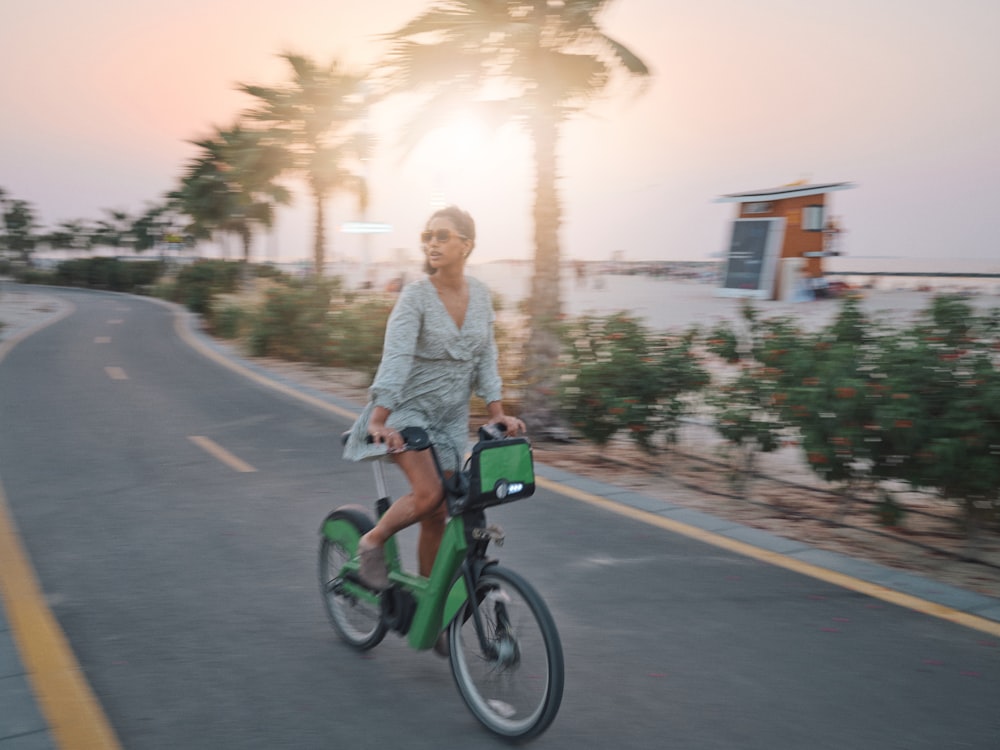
column 500, row 471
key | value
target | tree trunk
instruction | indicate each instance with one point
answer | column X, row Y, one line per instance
column 319, row 235
column 245, row 238
column 545, row 304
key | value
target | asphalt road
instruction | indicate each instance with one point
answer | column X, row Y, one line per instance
column 183, row 574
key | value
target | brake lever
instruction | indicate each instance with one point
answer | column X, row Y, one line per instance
column 494, row 431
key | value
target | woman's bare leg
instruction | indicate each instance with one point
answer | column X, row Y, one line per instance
column 423, row 504
column 429, row 542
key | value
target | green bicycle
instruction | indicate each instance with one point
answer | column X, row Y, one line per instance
column 503, row 645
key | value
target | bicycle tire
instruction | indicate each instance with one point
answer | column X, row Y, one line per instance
column 358, row 623
column 516, row 690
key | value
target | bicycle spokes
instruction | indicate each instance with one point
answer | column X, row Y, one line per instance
column 506, row 656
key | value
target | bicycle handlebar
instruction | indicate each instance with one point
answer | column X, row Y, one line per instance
column 495, row 431
column 414, row 439
column 417, row 439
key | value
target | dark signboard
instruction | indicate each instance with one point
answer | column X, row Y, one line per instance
column 752, row 258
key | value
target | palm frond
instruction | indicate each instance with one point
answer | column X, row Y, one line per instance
column 628, row 59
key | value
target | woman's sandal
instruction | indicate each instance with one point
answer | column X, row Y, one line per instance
column 371, row 567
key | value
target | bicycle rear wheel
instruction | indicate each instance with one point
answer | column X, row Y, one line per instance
column 358, row 621
column 513, row 681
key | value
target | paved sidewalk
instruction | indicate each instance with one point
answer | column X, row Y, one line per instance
column 22, row 726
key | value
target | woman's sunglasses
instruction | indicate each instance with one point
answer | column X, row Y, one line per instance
column 441, row 235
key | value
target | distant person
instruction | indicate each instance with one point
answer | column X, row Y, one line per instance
column 439, row 350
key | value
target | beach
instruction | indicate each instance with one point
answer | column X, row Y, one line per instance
column 666, row 303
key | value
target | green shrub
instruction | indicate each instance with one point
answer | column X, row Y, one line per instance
column 938, row 407
column 357, row 333
column 267, row 271
column 622, row 377
column 198, row 283
column 111, row 274
column 317, row 322
column 747, row 406
column 918, row 404
column 293, row 322
column 27, row 275
column 229, row 322
column 146, row 274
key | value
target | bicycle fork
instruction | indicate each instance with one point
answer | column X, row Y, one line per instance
column 498, row 645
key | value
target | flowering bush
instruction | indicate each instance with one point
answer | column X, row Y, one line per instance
column 619, row 376
column 919, row 404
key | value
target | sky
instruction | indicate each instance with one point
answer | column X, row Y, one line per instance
column 898, row 97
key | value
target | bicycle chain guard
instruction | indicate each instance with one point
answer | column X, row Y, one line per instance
column 398, row 607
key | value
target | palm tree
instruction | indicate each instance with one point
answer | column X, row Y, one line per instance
column 231, row 185
column 74, row 234
column 155, row 226
column 548, row 59
column 318, row 118
column 19, row 228
column 148, row 228
column 114, row 230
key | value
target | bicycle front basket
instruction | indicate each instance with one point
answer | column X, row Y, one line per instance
column 501, row 471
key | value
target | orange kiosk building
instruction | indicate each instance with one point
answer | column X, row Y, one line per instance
column 779, row 239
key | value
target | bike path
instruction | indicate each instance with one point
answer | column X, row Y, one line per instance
column 45, row 703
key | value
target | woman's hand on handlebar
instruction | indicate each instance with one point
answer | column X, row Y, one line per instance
column 511, row 426
column 391, row 438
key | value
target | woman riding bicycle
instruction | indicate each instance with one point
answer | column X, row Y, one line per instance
column 439, row 349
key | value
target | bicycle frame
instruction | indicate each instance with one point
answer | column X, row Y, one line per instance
column 420, row 607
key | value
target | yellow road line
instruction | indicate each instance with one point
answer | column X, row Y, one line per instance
column 102, row 339
column 782, row 561
column 74, row 715
column 116, row 373
column 212, row 447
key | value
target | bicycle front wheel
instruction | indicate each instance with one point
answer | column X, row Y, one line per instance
column 357, row 619
column 512, row 678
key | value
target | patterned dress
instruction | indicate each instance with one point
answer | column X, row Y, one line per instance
column 430, row 368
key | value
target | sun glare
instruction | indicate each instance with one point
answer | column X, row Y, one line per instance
column 465, row 135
